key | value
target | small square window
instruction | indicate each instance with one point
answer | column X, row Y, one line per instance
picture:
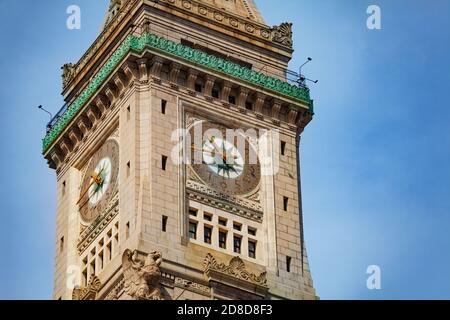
column 237, row 226
column 207, row 217
column 215, row 93
column 232, row 99
column 252, row 231
column 249, row 105
column 193, row 212
column 223, row 222
column 198, row 87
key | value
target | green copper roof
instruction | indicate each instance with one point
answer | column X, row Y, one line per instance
column 180, row 51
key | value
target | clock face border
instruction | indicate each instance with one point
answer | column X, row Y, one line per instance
column 244, row 184
column 90, row 210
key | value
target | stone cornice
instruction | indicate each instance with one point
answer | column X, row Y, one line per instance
column 138, row 44
column 280, row 36
column 121, row 16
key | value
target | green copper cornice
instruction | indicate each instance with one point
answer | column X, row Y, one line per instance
column 180, row 51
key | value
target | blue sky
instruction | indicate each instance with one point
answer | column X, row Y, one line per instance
column 375, row 160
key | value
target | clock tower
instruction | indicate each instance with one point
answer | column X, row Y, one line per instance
column 177, row 158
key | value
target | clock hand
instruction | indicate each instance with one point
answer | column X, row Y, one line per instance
column 97, row 179
column 201, row 150
column 220, row 152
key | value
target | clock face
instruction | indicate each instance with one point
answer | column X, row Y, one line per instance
column 100, row 181
column 223, row 158
column 225, row 167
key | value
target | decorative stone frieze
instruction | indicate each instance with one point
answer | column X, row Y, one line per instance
column 236, row 269
column 88, row 293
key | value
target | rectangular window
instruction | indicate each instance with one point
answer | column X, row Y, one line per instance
column 198, row 87
column 285, row 203
column 223, row 239
column 249, row 105
column 232, row 99
column 163, row 106
column 164, row 223
column 283, row 148
column 223, row 222
column 252, row 231
column 237, row 226
column 207, row 217
column 100, row 260
column 164, row 163
column 288, row 264
column 92, row 270
column 215, row 93
column 207, row 234
column 84, row 277
column 109, row 251
column 237, row 243
column 252, row 249
column 61, row 244
column 192, row 230
column 193, row 212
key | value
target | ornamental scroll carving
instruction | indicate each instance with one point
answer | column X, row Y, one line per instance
column 142, row 277
column 282, row 34
column 67, row 74
column 87, row 293
column 236, row 269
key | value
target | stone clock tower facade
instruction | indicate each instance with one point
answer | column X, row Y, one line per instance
column 159, row 196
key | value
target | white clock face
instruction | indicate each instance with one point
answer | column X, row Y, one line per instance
column 223, row 158
column 96, row 192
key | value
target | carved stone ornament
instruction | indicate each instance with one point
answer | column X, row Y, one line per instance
column 88, row 293
column 142, row 277
column 114, row 7
column 282, row 34
column 236, row 269
column 68, row 73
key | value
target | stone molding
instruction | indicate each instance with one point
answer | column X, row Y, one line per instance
column 245, row 208
column 235, row 269
column 236, row 22
column 178, row 50
column 89, row 234
column 101, row 39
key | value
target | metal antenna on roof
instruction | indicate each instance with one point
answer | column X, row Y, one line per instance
column 301, row 78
